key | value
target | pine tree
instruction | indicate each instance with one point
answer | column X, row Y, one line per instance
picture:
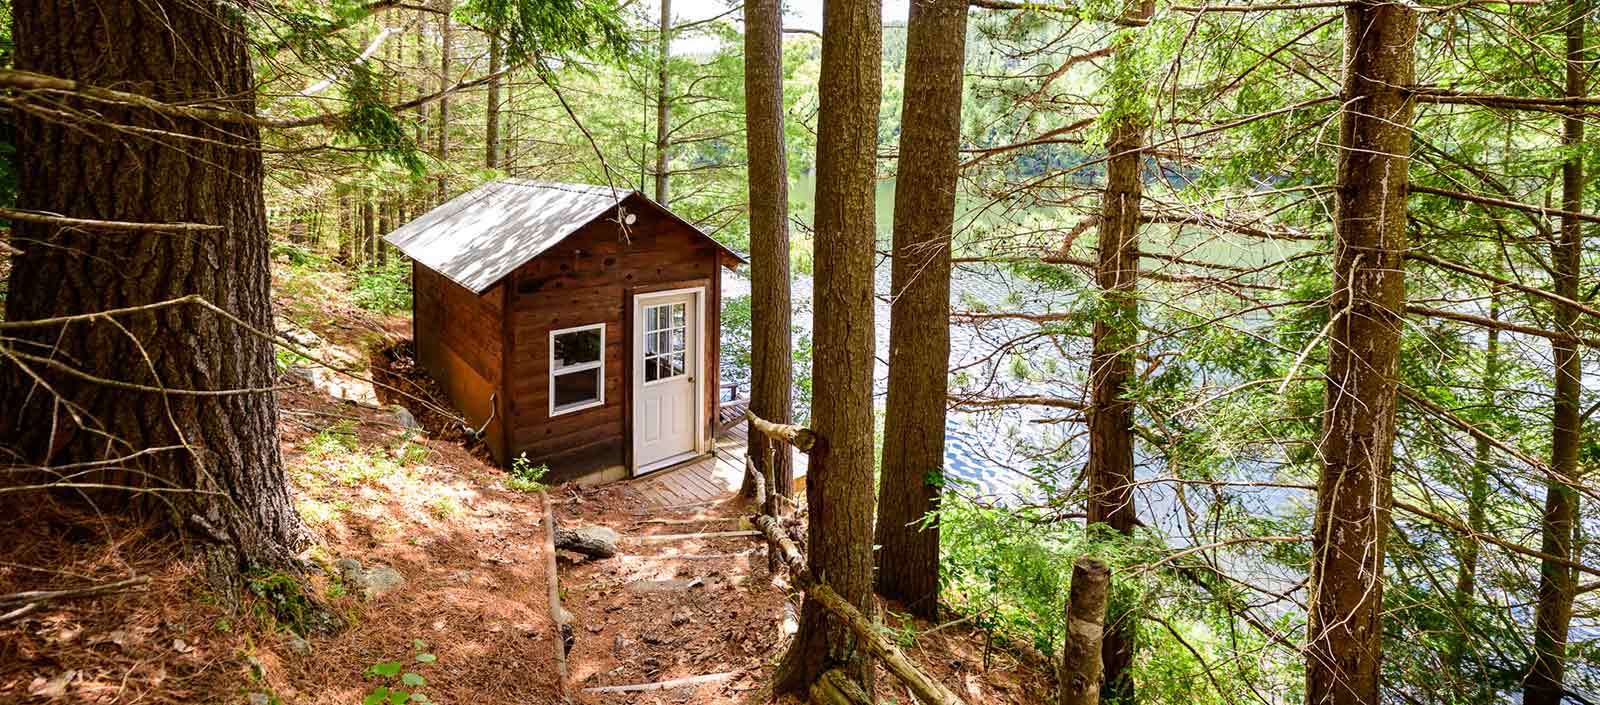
column 919, row 332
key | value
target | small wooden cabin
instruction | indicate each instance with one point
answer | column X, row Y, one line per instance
column 577, row 324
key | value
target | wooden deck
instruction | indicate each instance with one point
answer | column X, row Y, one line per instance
column 707, row 479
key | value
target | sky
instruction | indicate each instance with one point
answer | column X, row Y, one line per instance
column 797, row 14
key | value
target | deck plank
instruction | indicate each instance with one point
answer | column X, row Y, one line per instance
column 705, row 480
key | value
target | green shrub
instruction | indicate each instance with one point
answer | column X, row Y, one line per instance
column 525, row 476
column 385, row 289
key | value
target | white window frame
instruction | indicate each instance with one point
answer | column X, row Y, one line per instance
column 599, row 364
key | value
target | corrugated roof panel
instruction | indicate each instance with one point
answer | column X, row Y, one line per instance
column 479, row 237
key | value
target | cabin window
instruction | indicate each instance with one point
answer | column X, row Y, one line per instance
column 577, row 368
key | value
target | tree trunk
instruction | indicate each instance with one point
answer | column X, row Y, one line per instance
column 771, row 342
column 386, row 209
column 491, row 111
column 1556, row 586
column 663, row 103
column 919, row 324
column 1353, row 495
column 1477, row 493
column 1115, row 336
column 1082, row 670
column 446, row 38
column 369, row 241
column 173, row 52
column 347, row 230
column 422, row 110
column 839, row 485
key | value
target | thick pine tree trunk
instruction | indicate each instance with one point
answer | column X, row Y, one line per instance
column 1116, row 335
column 663, row 104
column 839, row 484
column 1353, row 494
column 771, row 344
column 919, row 327
column 1556, row 585
column 177, row 52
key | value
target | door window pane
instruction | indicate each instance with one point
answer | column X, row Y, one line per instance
column 666, row 341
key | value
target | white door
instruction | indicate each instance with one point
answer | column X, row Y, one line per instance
column 665, row 370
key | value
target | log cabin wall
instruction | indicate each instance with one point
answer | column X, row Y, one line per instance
column 458, row 336
column 591, row 278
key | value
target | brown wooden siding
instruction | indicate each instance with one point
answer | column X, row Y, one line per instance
column 458, row 338
column 587, row 279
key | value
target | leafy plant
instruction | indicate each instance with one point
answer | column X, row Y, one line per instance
column 384, row 289
column 443, row 507
column 392, row 679
column 525, row 476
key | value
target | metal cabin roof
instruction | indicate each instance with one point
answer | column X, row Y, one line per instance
column 479, row 237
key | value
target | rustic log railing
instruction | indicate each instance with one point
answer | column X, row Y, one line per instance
column 782, row 551
column 1081, row 669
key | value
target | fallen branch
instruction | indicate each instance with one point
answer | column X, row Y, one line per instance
column 558, row 614
column 662, row 685
column 702, row 535
column 32, row 600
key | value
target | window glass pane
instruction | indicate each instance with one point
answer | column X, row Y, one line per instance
column 577, row 387
column 678, row 342
column 576, row 348
column 677, row 364
column 652, row 317
column 654, row 368
column 677, row 314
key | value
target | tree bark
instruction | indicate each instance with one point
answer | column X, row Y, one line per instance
column 446, row 39
column 347, row 229
column 369, row 228
column 1553, row 615
column 663, row 103
column 919, row 324
column 491, row 111
column 771, row 341
column 224, row 487
column 386, row 209
column 1353, row 494
column 1116, row 336
column 839, row 485
column 1082, row 669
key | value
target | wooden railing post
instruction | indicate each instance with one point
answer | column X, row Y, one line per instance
column 1082, row 670
column 781, row 550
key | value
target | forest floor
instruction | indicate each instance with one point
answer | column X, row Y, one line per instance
column 667, row 608
column 401, row 501
column 469, row 611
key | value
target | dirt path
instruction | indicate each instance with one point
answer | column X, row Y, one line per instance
column 667, row 609
column 677, row 608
